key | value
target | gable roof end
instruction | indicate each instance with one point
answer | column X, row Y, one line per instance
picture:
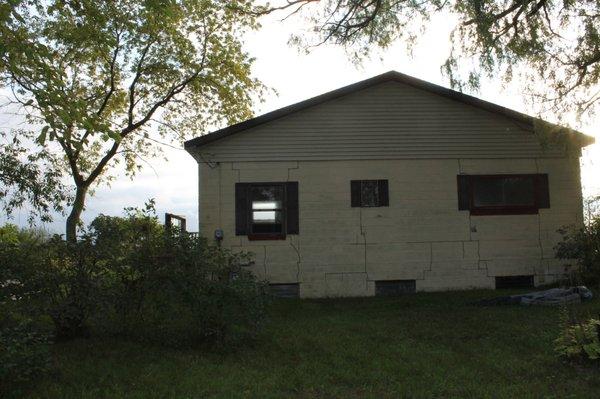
column 528, row 121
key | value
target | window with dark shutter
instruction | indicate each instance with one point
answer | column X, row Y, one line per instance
column 369, row 193
column 292, row 208
column 464, row 201
column 241, row 209
column 543, row 193
column 266, row 211
column 503, row 194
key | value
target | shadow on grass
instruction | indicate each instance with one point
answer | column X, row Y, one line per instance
column 423, row 345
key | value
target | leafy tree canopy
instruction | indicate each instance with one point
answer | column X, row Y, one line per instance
column 102, row 81
column 30, row 180
column 553, row 45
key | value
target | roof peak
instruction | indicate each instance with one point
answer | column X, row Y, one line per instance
column 392, row 75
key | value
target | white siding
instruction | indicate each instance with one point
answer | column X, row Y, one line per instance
column 388, row 121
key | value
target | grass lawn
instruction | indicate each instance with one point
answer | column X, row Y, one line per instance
column 430, row 345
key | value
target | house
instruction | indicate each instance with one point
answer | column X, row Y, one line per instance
column 391, row 185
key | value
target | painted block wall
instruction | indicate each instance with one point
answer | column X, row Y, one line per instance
column 342, row 251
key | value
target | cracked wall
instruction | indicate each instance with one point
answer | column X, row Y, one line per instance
column 422, row 235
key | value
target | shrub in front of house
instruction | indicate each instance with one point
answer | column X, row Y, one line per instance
column 172, row 288
column 25, row 334
column 130, row 277
column 582, row 245
column 24, row 350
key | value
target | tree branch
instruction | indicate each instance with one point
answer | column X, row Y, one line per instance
column 176, row 89
column 112, row 63
column 138, row 74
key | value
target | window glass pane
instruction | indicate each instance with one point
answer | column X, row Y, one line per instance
column 487, row 192
column 267, row 209
column 266, row 216
column 369, row 193
column 519, row 191
column 504, row 191
column 267, row 193
column 266, row 204
column 267, row 222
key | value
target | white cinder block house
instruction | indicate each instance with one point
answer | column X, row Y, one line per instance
column 390, row 185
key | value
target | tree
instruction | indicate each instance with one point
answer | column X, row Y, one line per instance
column 102, row 82
column 553, row 45
column 30, row 179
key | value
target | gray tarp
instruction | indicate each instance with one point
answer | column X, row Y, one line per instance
column 553, row 296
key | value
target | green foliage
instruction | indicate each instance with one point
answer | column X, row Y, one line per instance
column 582, row 246
column 30, row 179
column 24, row 350
column 172, row 288
column 102, row 81
column 553, row 45
column 579, row 340
column 128, row 276
column 25, row 335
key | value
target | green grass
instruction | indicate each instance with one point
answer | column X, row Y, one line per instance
column 421, row 346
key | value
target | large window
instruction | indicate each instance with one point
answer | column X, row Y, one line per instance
column 369, row 193
column 266, row 211
column 503, row 194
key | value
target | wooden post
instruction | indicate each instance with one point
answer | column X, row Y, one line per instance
column 169, row 221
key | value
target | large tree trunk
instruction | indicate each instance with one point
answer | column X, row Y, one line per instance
column 75, row 215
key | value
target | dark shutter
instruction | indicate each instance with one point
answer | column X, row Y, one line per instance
column 463, row 192
column 292, row 208
column 384, row 197
column 355, row 193
column 241, row 209
column 543, row 193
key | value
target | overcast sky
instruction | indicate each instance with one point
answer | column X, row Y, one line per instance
column 297, row 76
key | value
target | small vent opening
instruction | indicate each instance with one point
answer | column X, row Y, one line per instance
column 514, row 282
column 285, row 290
column 395, row 287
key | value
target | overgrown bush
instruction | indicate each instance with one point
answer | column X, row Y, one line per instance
column 24, row 350
column 25, row 334
column 582, row 245
column 50, row 277
column 579, row 340
column 129, row 276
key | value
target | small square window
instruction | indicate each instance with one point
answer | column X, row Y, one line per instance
column 266, row 211
column 369, row 193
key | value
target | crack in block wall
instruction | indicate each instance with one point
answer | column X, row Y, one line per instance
column 422, row 236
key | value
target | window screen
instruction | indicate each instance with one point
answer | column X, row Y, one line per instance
column 369, row 193
column 503, row 194
column 504, row 191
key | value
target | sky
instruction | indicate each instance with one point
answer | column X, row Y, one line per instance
column 296, row 76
